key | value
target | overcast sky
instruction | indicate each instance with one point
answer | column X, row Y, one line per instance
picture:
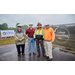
column 55, row 19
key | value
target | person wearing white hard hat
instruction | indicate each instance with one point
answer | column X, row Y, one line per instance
column 20, row 39
column 30, row 32
column 49, row 37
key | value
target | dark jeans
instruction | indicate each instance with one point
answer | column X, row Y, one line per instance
column 42, row 46
column 18, row 48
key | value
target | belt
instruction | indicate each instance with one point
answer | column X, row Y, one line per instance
column 48, row 41
column 30, row 37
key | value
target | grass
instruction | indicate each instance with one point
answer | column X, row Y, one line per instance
column 68, row 48
column 67, row 44
column 55, row 45
column 9, row 41
column 4, row 42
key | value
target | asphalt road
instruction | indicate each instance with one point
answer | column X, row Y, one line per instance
column 9, row 53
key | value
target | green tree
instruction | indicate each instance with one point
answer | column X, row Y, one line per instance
column 11, row 28
column 35, row 27
column 0, row 26
column 6, row 24
column 24, row 27
column 17, row 24
column 3, row 26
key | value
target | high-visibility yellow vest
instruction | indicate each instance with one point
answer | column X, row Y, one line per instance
column 39, row 32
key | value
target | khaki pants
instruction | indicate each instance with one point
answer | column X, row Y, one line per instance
column 48, row 49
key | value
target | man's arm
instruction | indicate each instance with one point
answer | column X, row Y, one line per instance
column 53, row 35
column 23, row 37
column 16, row 38
column 43, row 33
column 26, row 34
column 35, row 35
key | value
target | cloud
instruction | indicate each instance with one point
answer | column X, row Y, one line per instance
column 12, row 19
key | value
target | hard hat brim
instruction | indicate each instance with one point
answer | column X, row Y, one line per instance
column 30, row 24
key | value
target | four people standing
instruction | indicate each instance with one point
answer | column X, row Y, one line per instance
column 39, row 35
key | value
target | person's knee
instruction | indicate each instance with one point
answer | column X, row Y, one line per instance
column 29, row 43
column 42, row 47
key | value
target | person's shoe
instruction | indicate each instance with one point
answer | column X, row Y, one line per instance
column 44, row 55
column 47, row 57
column 38, row 55
column 29, row 54
column 18, row 54
column 34, row 53
column 23, row 54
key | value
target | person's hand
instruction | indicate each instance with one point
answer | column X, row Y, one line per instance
column 42, row 38
column 28, row 38
column 51, row 42
column 35, row 39
column 20, row 39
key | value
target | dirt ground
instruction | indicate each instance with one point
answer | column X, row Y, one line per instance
column 6, row 38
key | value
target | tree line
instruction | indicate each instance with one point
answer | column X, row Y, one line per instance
column 4, row 26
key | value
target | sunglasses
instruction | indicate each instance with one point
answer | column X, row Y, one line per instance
column 39, row 25
column 46, row 25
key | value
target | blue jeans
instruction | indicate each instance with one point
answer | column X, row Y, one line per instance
column 31, row 40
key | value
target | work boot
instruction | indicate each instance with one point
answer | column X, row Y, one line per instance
column 47, row 57
column 23, row 54
column 38, row 55
column 34, row 53
column 29, row 54
column 44, row 55
column 18, row 54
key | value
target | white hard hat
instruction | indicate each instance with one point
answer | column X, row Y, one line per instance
column 19, row 25
column 46, row 23
column 30, row 23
